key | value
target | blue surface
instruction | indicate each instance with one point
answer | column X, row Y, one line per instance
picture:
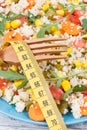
column 10, row 111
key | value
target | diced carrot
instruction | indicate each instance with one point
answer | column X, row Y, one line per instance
column 31, row 4
column 59, row 7
column 70, row 28
column 35, row 112
column 25, row 37
column 83, row 111
column 11, row 36
column 85, row 99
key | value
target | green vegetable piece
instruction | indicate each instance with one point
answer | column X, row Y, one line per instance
column 82, row 5
column 67, row 93
column 28, row 104
column 22, row 84
column 54, row 73
column 11, row 75
column 31, row 18
column 79, row 88
column 84, row 23
column 46, row 29
column 62, row 106
column 58, row 84
column 2, row 24
column 12, row 16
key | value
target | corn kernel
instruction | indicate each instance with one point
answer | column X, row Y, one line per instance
column 8, row 2
column 7, row 25
column 69, row 51
column 76, row 1
column 66, row 85
column 57, row 33
column 17, row 82
column 38, row 22
column 60, row 12
column 77, row 63
column 15, row 24
column 31, row 93
column 14, row 68
column 84, row 65
column 69, row 0
column 53, row 29
column 45, row 7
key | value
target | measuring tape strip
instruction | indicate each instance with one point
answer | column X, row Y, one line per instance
column 39, row 86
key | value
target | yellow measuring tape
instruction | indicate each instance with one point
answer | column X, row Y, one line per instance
column 39, row 86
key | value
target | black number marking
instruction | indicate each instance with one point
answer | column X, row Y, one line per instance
column 16, row 42
column 28, row 66
column 54, row 122
column 20, row 48
column 37, row 84
column 24, row 57
column 45, row 103
column 41, row 93
column 49, row 112
column 32, row 75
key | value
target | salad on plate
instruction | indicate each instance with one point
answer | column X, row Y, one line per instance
column 67, row 78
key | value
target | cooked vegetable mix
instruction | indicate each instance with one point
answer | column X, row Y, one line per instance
column 67, row 79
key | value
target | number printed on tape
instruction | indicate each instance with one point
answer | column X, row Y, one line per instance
column 39, row 86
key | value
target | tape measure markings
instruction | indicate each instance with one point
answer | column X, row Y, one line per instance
column 39, row 86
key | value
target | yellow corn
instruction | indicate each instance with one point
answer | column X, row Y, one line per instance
column 53, row 29
column 77, row 63
column 69, row 0
column 66, row 85
column 84, row 65
column 76, row 1
column 14, row 68
column 7, row 25
column 31, row 93
column 57, row 33
column 45, row 7
column 8, row 2
column 15, row 24
column 38, row 22
column 60, row 12
column 18, row 82
column 69, row 51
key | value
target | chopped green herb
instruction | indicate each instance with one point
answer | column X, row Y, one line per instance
column 77, row 88
column 58, row 84
column 31, row 17
column 46, row 29
column 68, row 76
column 67, row 93
column 84, row 23
column 11, row 75
column 82, row 5
column 22, row 84
column 12, row 16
